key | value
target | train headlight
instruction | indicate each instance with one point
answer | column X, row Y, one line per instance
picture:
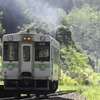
column 42, row 38
column 42, row 68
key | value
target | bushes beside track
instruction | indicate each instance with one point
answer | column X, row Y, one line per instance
column 93, row 79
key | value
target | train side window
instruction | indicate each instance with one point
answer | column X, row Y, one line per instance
column 10, row 52
column 55, row 55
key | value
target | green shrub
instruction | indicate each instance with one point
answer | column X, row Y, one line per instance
column 94, row 78
column 66, row 80
column 79, row 80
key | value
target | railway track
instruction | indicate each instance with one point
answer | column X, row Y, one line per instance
column 54, row 96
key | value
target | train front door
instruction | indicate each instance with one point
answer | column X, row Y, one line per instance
column 26, row 58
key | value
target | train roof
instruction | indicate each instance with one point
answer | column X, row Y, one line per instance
column 16, row 34
column 35, row 37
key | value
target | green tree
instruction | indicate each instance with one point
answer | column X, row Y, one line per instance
column 41, row 15
column 84, row 24
column 74, row 62
column 1, row 33
column 1, row 28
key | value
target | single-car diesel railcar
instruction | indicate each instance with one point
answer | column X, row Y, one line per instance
column 30, row 62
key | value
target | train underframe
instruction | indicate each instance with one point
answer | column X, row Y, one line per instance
column 29, row 86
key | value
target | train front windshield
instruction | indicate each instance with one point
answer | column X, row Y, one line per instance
column 10, row 52
column 42, row 51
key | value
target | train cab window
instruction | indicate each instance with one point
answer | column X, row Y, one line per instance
column 10, row 51
column 42, row 51
column 26, row 53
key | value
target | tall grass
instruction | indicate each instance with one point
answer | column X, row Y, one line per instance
column 90, row 92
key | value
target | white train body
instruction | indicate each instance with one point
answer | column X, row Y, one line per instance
column 30, row 61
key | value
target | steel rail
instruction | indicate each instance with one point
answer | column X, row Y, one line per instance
column 41, row 97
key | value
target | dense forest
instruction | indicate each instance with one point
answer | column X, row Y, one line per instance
column 74, row 23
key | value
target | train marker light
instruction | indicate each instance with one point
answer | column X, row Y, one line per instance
column 42, row 68
column 10, row 68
